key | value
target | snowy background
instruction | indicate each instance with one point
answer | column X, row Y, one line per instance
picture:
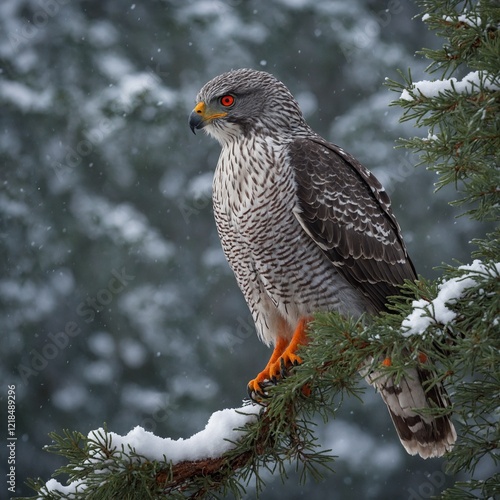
column 116, row 304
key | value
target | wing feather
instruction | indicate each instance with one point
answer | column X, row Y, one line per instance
column 346, row 211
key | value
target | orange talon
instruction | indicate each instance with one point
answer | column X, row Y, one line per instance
column 256, row 386
column 282, row 359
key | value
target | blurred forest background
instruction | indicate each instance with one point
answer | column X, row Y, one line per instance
column 116, row 303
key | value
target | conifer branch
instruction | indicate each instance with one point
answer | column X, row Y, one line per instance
column 284, row 432
column 461, row 348
column 461, row 114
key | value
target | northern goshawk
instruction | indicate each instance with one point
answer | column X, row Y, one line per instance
column 306, row 228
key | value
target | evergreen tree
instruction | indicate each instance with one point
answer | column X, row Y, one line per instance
column 451, row 325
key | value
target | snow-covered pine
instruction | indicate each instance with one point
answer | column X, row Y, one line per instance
column 460, row 346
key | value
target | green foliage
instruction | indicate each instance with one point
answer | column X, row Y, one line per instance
column 282, row 434
column 464, row 352
column 105, row 472
column 463, row 127
column 462, row 146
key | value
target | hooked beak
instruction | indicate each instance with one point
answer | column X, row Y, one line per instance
column 201, row 117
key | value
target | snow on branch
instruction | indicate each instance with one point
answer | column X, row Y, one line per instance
column 426, row 313
column 468, row 19
column 222, row 432
column 218, row 437
column 467, row 85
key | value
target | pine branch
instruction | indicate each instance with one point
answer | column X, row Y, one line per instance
column 98, row 469
column 462, row 146
column 284, row 431
column 461, row 114
column 455, row 336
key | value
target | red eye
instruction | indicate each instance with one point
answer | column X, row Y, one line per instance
column 227, row 100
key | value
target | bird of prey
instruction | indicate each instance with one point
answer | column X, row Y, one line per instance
column 306, row 228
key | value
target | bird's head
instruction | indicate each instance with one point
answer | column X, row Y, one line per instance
column 245, row 101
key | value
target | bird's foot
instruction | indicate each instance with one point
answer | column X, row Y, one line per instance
column 283, row 360
column 257, row 391
column 282, row 366
column 271, row 375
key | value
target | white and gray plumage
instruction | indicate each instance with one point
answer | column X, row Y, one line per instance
column 306, row 228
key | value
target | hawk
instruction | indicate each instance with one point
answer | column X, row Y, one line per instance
column 306, row 228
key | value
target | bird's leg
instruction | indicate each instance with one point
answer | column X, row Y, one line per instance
column 256, row 386
column 283, row 357
column 289, row 358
